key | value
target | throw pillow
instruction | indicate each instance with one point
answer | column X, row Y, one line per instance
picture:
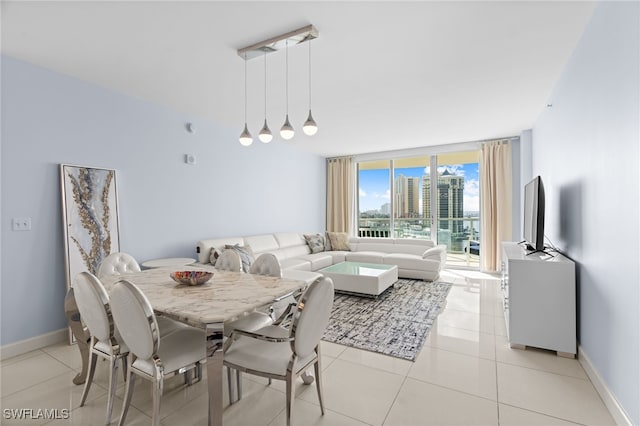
column 245, row 253
column 215, row 254
column 327, row 243
column 339, row 241
column 315, row 242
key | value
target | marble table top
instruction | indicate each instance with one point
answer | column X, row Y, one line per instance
column 225, row 297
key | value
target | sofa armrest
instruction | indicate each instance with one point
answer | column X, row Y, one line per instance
column 434, row 253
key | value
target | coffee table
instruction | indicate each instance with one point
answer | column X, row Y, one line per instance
column 369, row 279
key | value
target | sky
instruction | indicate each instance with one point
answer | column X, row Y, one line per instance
column 374, row 185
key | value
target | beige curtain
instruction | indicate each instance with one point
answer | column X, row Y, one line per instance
column 340, row 191
column 495, row 214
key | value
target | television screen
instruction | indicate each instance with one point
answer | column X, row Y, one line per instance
column 533, row 224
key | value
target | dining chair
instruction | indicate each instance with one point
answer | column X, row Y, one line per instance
column 117, row 263
column 229, row 260
column 285, row 353
column 93, row 304
column 156, row 357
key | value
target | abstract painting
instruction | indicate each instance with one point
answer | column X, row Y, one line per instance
column 90, row 216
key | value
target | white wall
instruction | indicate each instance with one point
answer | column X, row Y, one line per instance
column 585, row 148
column 165, row 206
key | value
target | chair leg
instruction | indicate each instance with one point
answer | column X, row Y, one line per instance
column 93, row 360
column 230, row 384
column 113, row 379
column 291, row 389
column 131, row 381
column 239, row 384
column 157, row 395
column 307, row 378
column 319, row 384
column 124, row 367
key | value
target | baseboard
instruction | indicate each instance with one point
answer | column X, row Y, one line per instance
column 617, row 412
column 33, row 343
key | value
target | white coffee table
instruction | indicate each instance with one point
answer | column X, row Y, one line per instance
column 169, row 261
column 369, row 279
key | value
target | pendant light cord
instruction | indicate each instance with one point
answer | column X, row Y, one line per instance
column 287, row 73
column 245, row 88
column 265, row 85
column 309, row 74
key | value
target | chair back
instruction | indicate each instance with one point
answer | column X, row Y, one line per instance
column 118, row 264
column 229, row 260
column 266, row 264
column 135, row 319
column 312, row 317
column 93, row 304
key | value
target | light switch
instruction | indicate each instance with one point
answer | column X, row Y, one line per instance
column 21, row 224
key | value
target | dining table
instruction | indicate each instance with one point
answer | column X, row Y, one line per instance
column 227, row 296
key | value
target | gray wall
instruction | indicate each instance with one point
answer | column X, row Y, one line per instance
column 586, row 149
column 165, row 206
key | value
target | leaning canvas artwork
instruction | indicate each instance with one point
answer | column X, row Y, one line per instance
column 90, row 215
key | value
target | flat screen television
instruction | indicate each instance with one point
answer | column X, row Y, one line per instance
column 533, row 225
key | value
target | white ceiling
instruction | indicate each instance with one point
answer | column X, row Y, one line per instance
column 386, row 75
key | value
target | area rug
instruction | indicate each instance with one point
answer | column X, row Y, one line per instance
column 396, row 323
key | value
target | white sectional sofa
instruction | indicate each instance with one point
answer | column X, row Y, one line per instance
column 415, row 258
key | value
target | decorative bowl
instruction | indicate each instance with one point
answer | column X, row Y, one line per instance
column 191, row 277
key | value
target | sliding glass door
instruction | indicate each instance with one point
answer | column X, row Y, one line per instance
column 401, row 198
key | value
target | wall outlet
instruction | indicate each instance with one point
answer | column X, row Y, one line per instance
column 21, row 224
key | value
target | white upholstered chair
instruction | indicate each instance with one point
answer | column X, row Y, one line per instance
column 155, row 357
column 118, row 264
column 93, row 305
column 229, row 260
column 285, row 353
column 266, row 264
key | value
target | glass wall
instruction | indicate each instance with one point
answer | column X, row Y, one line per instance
column 401, row 198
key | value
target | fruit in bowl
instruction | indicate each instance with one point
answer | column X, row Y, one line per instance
column 191, row 277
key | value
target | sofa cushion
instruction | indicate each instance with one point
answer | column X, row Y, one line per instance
column 365, row 256
column 411, row 261
column 287, row 239
column 262, row 243
column 318, row 260
column 295, row 263
column 315, row 242
column 339, row 241
column 337, row 255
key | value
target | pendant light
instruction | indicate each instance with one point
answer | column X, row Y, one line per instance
column 287, row 131
column 245, row 137
column 265, row 135
column 310, row 127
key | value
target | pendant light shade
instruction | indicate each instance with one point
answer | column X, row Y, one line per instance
column 245, row 137
column 265, row 135
column 310, row 127
column 286, row 131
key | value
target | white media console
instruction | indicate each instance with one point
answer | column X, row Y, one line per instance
column 539, row 300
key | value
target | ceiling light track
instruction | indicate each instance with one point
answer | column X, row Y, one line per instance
column 278, row 43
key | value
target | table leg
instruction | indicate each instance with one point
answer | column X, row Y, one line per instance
column 79, row 332
column 215, row 337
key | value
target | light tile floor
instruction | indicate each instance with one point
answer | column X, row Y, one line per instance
column 466, row 374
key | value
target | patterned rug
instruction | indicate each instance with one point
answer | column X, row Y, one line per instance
column 396, row 323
